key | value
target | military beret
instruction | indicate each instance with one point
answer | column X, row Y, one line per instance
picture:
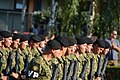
column 72, row 41
column 24, row 38
column 100, row 43
column 81, row 40
column 35, row 38
column 1, row 38
column 42, row 37
column 89, row 40
column 5, row 34
column 16, row 36
column 62, row 40
column 107, row 44
column 53, row 44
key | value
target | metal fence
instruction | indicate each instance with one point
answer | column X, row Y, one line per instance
column 11, row 20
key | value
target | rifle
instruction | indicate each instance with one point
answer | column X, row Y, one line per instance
column 70, row 69
column 65, row 71
column 55, row 71
column 24, row 72
column 17, row 58
column 74, row 76
column 9, row 63
column 40, row 53
column 104, row 68
column 82, row 75
column 1, row 61
column 99, row 67
column 90, row 76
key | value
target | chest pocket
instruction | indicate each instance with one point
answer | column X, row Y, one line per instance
column 33, row 72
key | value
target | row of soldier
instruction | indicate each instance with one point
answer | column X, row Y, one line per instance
column 61, row 58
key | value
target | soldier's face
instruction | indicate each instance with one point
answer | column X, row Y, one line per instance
column 56, row 53
column 63, row 51
column 99, row 50
column 89, row 48
column 8, row 41
column 42, row 44
column 16, row 43
column 82, row 48
column 1, row 43
column 72, row 49
column 105, row 51
column 69, row 50
column 24, row 44
column 34, row 44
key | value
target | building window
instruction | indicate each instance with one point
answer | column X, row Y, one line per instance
column 7, row 4
column 19, row 4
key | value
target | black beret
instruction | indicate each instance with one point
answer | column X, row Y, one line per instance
column 42, row 37
column 100, row 43
column 62, row 40
column 5, row 34
column 1, row 38
column 72, row 41
column 16, row 36
column 81, row 40
column 89, row 40
column 107, row 44
column 53, row 44
column 35, row 38
column 24, row 38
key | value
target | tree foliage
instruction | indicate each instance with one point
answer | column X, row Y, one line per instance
column 73, row 16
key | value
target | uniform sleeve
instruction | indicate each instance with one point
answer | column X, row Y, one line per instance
column 21, row 64
column 34, row 69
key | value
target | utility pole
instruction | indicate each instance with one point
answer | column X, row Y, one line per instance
column 23, row 16
column 53, row 14
column 91, row 15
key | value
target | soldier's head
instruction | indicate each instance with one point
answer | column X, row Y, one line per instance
column 42, row 43
column 46, row 34
column 89, row 46
column 72, row 46
column 64, row 44
column 7, row 38
column 23, row 41
column 16, row 40
column 34, row 41
column 1, row 41
column 98, row 46
column 81, row 44
column 54, row 48
column 107, row 48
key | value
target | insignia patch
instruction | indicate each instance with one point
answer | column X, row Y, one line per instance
column 35, row 68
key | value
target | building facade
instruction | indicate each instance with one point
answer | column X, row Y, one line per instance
column 14, row 13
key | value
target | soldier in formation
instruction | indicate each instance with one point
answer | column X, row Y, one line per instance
column 59, row 58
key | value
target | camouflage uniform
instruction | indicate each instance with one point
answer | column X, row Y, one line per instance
column 70, row 58
column 4, row 58
column 82, row 59
column 23, row 55
column 89, row 56
column 39, row 69
column 59, row 62
column 36, row 52
column 5, row 54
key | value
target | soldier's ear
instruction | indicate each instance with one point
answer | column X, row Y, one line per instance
column 62, row 48
column 51, row 51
